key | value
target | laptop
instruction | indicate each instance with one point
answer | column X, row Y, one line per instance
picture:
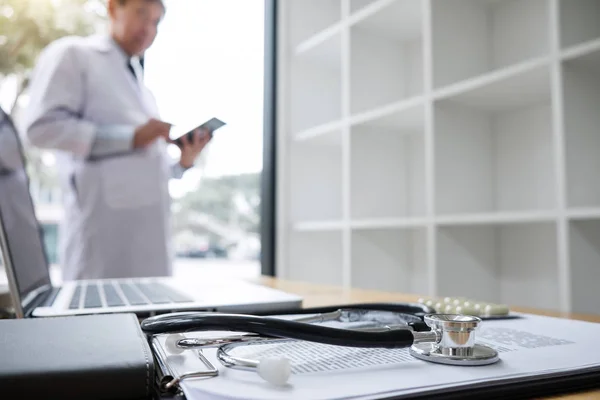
column 28, row 269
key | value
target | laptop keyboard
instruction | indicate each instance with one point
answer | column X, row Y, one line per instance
column 118, row 294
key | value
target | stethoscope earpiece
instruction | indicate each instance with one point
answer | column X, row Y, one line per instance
column 275, row 370
column 172, row 343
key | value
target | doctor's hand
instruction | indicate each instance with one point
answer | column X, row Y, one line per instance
column 191, row 149
column 146, row 134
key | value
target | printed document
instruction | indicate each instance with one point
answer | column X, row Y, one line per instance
column 528, row 346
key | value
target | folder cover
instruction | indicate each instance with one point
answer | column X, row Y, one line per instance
column 100, row 357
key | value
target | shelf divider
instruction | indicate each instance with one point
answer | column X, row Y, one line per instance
column 562, row 239
column 429, row 140
column 346, row 150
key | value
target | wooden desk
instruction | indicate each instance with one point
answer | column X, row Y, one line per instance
column 322, row 295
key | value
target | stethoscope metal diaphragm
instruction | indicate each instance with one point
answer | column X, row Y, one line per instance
column 456, row 345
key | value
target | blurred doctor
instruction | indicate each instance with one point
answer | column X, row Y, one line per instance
column 88, row 102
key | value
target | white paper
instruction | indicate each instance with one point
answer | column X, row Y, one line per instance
column 531, row 345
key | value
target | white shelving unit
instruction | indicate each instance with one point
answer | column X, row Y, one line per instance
column 442, row 147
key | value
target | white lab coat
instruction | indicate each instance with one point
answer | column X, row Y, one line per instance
column 117, row 208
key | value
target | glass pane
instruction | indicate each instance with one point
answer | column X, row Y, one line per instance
column 207, row 61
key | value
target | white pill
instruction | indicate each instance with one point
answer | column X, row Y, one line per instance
column 450, row 309
column 496, row 309
column 466, row 310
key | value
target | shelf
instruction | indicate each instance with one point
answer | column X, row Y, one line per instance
column 311, row 17
column 581, row 50
column 473, row 37
column 579, row 21
column 315, row 257
column 494, row 147
column 358, row 5
column 511, row 264
column 319, row 43
column 507, row 89
column 388, row 166
column 581, row 88
column 386, row 56
column 315, row 80
column 575, row 214
column 584, row 243
column 323, row 49
column 407, row 115
column 317, row 226
column 326, row 134
column 496, row 218
column 382, row 223
column 390, row 259
column 316, row 174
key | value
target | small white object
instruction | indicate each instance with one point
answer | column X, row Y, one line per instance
column 171, row 343
column 275, row 370
column 496, row 309
column 467, row 309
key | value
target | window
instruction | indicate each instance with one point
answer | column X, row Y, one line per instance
column 208, row 61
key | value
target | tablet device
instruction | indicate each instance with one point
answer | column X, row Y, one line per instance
column 211, row 125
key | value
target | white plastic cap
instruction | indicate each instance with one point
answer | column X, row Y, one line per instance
column 275, row 370
column 171, row 343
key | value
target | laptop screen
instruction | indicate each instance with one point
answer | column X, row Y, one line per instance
column 23, row 244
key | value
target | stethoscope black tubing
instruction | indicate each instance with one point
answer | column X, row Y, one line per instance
column 416, row 309
column 275, row 327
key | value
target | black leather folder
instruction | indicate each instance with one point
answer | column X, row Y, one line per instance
column 95, row 357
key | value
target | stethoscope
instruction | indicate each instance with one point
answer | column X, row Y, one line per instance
column 439, row 338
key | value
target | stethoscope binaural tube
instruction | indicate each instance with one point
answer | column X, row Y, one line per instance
column 417, row 310
column 280, row 328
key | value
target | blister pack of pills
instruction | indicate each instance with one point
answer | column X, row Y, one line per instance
column 467, row 306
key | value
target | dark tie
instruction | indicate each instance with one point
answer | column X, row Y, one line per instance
column 130, row 67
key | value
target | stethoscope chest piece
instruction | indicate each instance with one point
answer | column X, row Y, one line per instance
column 456, row 342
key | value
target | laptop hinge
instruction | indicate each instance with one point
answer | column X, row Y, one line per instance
column 40, row 298
column 51, row 296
